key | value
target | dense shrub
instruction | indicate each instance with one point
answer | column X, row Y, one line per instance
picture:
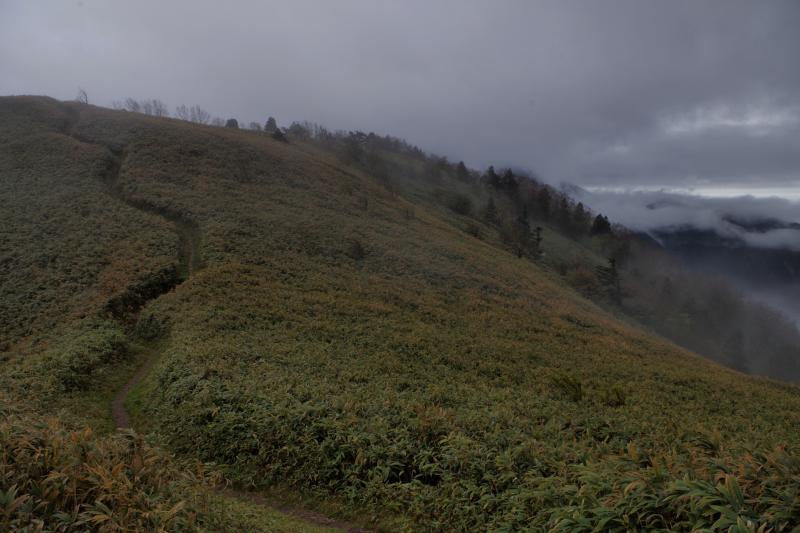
column 72, row 362
column 56, row 479
column 568, row 386
column 278, row 135
column 473, row 229
column 355, row 250
column 459, row 203
column 582, row 278
column 127, row 302
column 440, row 476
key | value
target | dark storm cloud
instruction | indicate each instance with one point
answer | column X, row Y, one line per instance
column 596, row 93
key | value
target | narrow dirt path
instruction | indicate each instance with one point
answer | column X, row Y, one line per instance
column 188, row 253
column 189, row 262
column 305, row 515
column 119, row 413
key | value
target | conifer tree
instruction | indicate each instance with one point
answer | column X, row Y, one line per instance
column 461, row 171
column 492, row 179
column 564, row 213
column 544, row 201
column 580, row 219
column 490, row 212
column 600, row 226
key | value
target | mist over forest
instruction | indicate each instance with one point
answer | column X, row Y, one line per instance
column 751, row 242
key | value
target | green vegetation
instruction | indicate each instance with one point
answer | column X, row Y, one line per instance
column 69, row 480
column 65, row 249
column 363, row 332
column 56, row 479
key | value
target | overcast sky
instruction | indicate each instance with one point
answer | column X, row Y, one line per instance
column 609, row 94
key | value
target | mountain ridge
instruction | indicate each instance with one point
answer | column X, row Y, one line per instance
column 351, row 336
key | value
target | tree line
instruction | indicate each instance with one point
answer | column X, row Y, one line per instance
column 195, row 113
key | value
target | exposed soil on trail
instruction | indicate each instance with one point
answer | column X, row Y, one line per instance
column 119, row 413
column 306, row 515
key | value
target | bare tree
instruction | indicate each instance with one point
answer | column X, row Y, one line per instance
column 301, row 131
column 132, row 105
column 154, row 107
column 255, row 126
column 199, row 115
column 160, row 109
column 216, row 121
column 82, row 97
column 182, row 112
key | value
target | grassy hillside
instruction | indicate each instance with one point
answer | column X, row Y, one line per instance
column 65, row 248
column 351, row 341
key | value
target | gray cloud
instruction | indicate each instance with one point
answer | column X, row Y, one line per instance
column 617, row 93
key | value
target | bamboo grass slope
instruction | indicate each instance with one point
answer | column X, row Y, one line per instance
column 70, row 479
column 59, row 479
column 348, row 338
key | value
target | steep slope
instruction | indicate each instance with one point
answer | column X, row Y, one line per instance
column 352, row 342
column 67, row 247
column 78, row 261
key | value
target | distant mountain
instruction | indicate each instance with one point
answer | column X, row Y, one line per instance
column 760, row 224
column 733, row 255
column 572, row 190
column 770, row 275
column 664, row 202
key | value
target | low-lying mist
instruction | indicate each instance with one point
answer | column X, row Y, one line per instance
column 762, row 222
column 752, row 242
